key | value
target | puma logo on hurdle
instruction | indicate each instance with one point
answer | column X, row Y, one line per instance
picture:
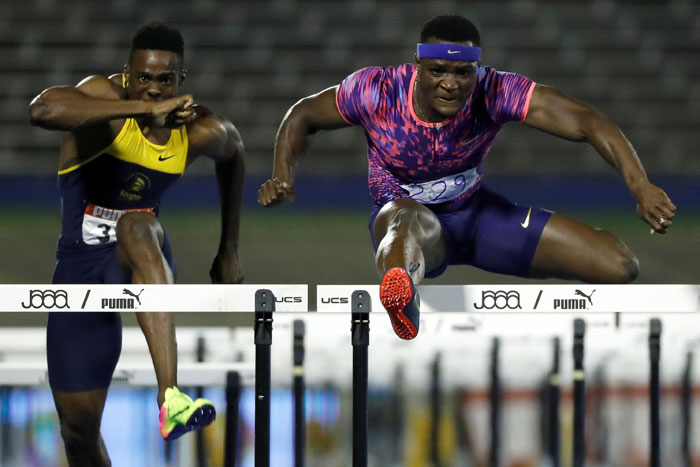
column 578, row 292
column 129, row 292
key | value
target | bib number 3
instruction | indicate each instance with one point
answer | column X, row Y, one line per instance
column 100, row 224
column 97, row 231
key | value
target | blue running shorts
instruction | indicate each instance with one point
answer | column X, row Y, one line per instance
column 489, row 232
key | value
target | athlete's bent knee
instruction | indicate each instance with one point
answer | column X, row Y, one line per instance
column 398, row 209
column 140, row 237
column 138, row 226
column 80, row 436
column 628, row 266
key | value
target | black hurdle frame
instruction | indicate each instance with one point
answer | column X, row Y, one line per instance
column 654, row 393
column 199, row 392
column 553, row 404
column 299, row 389
column 264, row 307
column 435, row 409
column 396, row 411
column 579, row 450
column 686, row 409
column 496, row 396
column 233, row 400
column 361, row 306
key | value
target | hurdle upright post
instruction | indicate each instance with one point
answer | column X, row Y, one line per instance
column 361, row 306
column 496, row 392
column 233, row 399
column 579, row 450
column 396, row 410
column 264, row 307
column 686, row 407
column 553, row 427
column 435, row 408
column 299, row 389
column 199, row 392
column 654, row 391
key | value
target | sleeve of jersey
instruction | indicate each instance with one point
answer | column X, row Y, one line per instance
column 508, row 96
column 358, row 95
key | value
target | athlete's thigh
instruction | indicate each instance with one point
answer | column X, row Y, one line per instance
column 503, row 236
column 570, row 249
column 141, row 235
column 416, row 220
column 83, row 347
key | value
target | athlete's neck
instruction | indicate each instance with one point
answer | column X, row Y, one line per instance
column 154, row 134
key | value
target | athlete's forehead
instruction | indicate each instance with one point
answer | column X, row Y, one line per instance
column 435, row 40
column 155, row 61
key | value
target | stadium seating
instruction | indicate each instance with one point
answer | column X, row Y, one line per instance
column 250, row 61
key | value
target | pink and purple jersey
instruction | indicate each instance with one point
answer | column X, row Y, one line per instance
column 435, row 163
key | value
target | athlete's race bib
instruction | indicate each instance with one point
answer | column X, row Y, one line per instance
column 443, row 189
column 100, row 224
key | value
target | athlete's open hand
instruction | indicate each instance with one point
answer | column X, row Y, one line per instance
column 655, row 207
column 174, row 112
column 226, row 269
column 276, row 191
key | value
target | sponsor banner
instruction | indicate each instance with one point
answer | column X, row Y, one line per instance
column 145, row 297
column 656, row 298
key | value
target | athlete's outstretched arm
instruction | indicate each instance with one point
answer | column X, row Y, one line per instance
column 219, row 140
column 97, row 99
column 558, row 114
column 306, row 117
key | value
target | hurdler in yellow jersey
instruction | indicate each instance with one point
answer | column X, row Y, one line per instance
column 125, row 140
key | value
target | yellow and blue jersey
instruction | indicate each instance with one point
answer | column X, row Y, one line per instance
column 131, row 173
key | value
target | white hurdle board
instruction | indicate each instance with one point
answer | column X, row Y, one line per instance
column 655, row 298
column 148, row 297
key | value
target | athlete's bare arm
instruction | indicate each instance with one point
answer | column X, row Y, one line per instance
column 218, row 139
column 560, row 115
column 97, row 99
column 306, row 117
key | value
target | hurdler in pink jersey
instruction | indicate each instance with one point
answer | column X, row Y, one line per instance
column 429, row 126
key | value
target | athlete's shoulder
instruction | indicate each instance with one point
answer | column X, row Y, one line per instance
column 204, row 120
column 404, row 70
column 487, row 74
column 383, row 72
column 209, row 129
column 106, row 87
column 374, row 80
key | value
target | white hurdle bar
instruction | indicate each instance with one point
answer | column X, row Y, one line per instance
column 148, row 297
column 589, row 298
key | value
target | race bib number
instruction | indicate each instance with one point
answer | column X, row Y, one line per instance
column 100, row 224
column 443, row 189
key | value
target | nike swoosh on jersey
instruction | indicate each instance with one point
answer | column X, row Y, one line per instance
column 161, row 158
column 453, row 51
column 527, row 219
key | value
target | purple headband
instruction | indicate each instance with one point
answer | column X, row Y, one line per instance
column 449, row 52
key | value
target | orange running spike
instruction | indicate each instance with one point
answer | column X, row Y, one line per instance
column 396, row 293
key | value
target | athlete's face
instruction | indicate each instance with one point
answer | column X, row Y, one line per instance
column 443, row 86
column 153, row 75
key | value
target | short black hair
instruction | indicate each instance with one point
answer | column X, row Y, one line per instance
column 451, row 28
column 158, row 36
